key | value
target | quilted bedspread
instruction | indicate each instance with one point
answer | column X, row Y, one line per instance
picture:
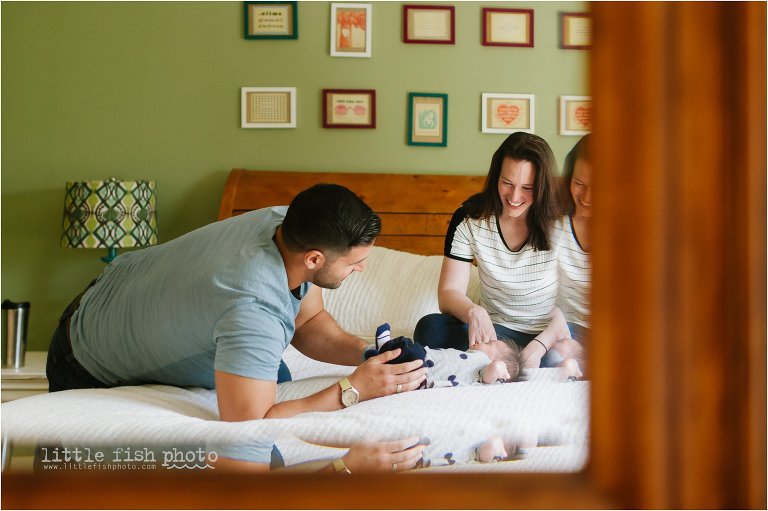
column 545, row 419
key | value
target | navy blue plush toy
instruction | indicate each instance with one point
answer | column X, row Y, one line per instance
column 410, row 350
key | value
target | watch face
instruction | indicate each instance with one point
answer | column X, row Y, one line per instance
column 349, row 397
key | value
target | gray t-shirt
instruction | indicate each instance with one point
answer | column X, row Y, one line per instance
column 214, row 298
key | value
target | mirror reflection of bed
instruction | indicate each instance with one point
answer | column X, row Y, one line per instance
column 536, row 425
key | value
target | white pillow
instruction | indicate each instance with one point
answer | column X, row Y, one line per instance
column 396, row 288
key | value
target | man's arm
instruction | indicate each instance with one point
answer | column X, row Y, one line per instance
column 319, row 337
column 242, row 398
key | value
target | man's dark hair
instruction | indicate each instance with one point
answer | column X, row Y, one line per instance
column 329, row 218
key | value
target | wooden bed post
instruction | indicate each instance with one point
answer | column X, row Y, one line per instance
column 679, row 254
column 228, row 196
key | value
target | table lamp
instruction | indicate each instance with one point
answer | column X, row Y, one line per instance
column 109, row 214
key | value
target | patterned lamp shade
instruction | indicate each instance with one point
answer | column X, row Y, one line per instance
column 109, row 214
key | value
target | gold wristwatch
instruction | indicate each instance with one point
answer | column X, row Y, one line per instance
column 349, row 395
column 340, row 467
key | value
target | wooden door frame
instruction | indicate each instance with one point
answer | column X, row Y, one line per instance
column 679, row 297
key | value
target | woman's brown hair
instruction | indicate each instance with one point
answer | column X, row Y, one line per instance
column 522, row 146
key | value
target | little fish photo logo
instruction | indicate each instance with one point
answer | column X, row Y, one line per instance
column 125, row 458
column 193, row 459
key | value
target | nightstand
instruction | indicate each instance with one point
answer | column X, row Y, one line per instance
column 25, row 381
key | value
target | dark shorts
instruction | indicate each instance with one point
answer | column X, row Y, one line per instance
column 62, row 368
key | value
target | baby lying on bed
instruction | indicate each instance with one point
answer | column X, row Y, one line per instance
column 497, row 361
column 491, row 362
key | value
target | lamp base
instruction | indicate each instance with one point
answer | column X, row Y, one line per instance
column 111, row 254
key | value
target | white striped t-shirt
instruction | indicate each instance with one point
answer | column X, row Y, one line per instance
column 517, row 288
column 575, row 273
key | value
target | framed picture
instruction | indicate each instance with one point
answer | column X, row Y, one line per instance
column 349, row 108
column 271, row 20
column 575, row 30
column 351, row 26
column 507, row 27
column 575, row 115
column 427, row 119
column 268, row 107
column 429, row 24
column 507, row 113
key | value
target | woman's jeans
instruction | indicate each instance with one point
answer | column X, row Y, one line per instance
column 446, row 331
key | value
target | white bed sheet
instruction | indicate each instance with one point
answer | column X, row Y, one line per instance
column 397, row 288
column 455, row 420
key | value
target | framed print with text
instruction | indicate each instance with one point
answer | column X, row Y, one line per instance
column 429, row 24
column 427, row 119
column 271, row 20
column 575, row 30
column 349, row 108
column 351, row 26
column 507, row 27
column 575, row 115
column 507, row 113
column 268, row 107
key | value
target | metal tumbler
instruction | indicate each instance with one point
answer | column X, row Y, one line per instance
column 15, row 320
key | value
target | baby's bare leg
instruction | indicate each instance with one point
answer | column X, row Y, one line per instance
column 569, row 348
column 495, row 371
column 571, row 369
column 491, row 450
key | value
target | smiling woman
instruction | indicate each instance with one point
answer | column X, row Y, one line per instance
column 572, row 235
column 505, row 228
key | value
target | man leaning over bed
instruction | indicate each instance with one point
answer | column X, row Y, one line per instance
column 216, row 307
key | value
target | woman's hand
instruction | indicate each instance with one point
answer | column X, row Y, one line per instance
column 395, row 456
column 480, row 326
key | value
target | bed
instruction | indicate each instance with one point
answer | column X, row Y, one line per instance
column 541, row 424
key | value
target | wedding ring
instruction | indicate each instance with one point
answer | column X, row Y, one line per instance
column 394, row 467
column 397, row 391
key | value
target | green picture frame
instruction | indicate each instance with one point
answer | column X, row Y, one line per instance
column 427, row 119
column 270, row 20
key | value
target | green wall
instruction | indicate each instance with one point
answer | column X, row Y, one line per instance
column 151, row 90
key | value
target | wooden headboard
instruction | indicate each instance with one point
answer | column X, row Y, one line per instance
column 414, row 208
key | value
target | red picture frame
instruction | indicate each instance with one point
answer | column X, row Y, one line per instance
column 422, row 24
column 349, row 108
column 507, row 27
column 574, row 35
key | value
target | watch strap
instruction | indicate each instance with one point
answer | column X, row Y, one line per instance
column 340, row 467
column 349, row 394
column 345, row 384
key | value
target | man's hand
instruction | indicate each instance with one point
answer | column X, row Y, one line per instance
column 394, row 456
column 375, row 378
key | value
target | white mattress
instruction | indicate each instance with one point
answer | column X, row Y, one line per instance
column 454, row 420
column 397, row 288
